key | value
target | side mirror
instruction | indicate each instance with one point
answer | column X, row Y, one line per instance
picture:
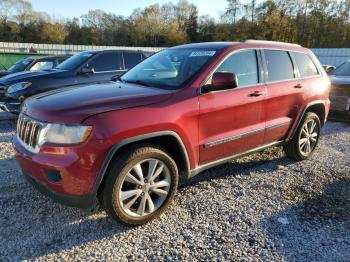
column 330, row 69
column 87, row 70
column 222, row 81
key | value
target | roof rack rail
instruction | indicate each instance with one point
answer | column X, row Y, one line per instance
column 268, row 42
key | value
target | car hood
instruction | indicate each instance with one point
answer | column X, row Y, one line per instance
column 29, row 76
column 340, row 80
column 75, row 104
column 4, row 73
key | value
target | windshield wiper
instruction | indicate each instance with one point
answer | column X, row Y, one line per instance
column 139, row 82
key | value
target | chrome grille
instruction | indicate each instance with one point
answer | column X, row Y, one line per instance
column 28, row 132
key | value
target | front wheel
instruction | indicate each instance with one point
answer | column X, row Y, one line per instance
column 305, row 140
column 140, row 185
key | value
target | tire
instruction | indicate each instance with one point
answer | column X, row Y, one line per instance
column 296, row 148
column 126, row 185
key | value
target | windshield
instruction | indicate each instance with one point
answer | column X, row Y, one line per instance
column 20, row 65
column 75, row 61
column 342, row 70
column 170, row 69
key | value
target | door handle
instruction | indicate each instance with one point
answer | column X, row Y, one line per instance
column 257, row 93
column 299, row 86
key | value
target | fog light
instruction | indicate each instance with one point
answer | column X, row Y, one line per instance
column 53, row 176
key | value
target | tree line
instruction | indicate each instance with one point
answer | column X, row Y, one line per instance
column 311, row 23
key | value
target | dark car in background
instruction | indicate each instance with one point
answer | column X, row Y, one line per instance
column 35, row 63
column 84, row 68
column 340, row 92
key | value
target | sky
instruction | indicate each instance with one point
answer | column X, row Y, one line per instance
column 76, row 8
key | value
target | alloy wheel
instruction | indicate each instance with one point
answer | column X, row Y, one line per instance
column 308, row 137
column 145, row 188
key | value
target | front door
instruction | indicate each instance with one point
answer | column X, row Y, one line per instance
column 230, row 121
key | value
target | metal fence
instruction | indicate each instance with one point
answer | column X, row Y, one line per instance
column 53, row 49
column 329, row 56
column 12, row 52
column 332, row 56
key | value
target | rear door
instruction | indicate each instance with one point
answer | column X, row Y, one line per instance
column 231, row 121
column 131, row 59
column 106, row 65
column 285, row 94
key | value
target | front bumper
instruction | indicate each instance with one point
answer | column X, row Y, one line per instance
column 2, row 97
column 77, row 168
column 340, row 103
column 84, row 201
column 14, row 108
column 9, row 104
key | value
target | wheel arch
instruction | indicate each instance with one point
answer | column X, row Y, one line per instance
column 168, row 140
column 318, row 107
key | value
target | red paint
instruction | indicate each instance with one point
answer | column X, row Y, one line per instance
column 119, row 111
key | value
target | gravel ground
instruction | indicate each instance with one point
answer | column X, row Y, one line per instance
column 261, row 207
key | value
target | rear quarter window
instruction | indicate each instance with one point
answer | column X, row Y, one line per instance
column 305, row 65
column 279, row 65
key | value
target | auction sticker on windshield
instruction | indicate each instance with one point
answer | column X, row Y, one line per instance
column 203, row 53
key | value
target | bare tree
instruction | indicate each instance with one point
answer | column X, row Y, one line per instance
column 233, row 9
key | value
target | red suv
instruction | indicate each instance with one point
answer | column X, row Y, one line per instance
column 129, row 143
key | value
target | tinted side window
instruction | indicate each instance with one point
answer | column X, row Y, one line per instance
column 145, row 55
column 279, row 65
column 60, row 60
column 131, row 59
column 42, row 65
column 305, row 65
column 245, row 65
column 106, row 62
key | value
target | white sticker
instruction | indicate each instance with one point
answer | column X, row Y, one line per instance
column 203, row 53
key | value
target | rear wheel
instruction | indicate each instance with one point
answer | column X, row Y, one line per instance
column 305, row 140
column 140, row 185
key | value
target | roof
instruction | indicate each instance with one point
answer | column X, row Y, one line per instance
column 51, row 56
column 251, row 41
column 95, row 51
column 224, row 45
column 213, row 45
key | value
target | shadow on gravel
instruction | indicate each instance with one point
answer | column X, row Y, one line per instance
column 269, row 159
column 7, row 129
column 6, row 138
column 333, row 127
column 317, row 229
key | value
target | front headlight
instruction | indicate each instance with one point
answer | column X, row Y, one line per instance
column 64, row 134
column 18, row 86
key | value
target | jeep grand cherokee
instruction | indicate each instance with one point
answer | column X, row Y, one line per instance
column 185, row 109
